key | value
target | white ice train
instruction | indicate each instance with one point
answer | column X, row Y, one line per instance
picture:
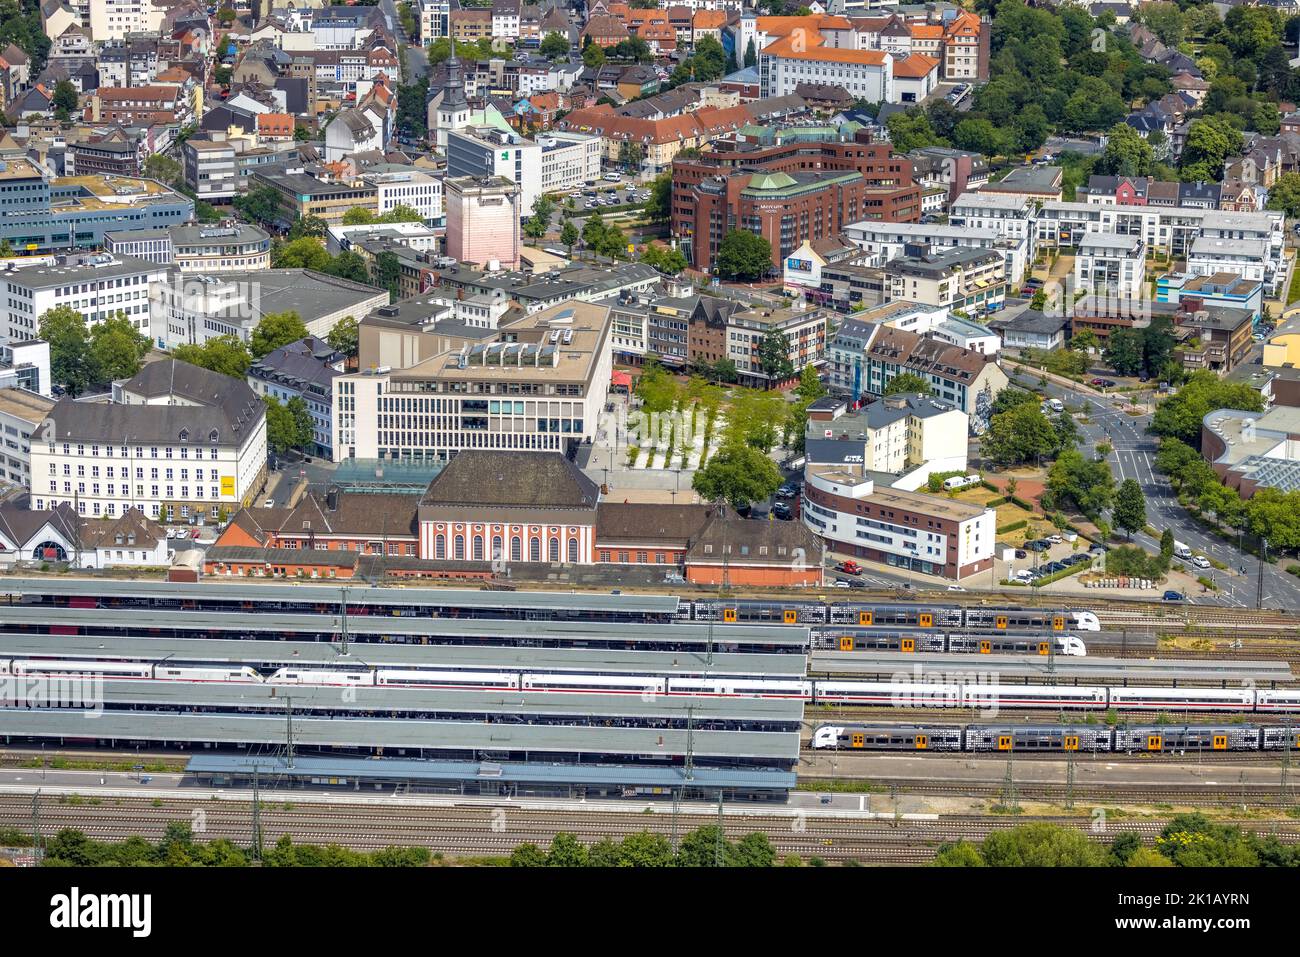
column 829, row 691
column 127, row 670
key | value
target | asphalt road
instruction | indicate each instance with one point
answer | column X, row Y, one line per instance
column 417, row 63
column 1134, row 458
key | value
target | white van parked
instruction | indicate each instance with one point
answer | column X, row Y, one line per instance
column 960, row 481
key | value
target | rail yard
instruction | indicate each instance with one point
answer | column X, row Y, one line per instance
column 587, row 706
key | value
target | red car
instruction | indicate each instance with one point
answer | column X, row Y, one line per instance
column 849, row 568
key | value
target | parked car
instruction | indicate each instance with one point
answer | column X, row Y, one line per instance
column 1103, row 383
column 853, row 582
column 1174, row 596
column 788, row 490
column 782, row 511
column 1021, row 553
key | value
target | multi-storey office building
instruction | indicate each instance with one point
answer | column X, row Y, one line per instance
column 99, row 286
column 538, row 384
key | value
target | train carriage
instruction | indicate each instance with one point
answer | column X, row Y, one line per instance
column 1033, row 696
column 866, row 639
column 894, row 616
column 888, row 738
column 1038, row 739
column 105, row 669
column 1274, row 700
column 1278, row 738
column 743, row 611
column 741, row 687
column 321, row 676
column 601, row 684
column 475, row 680
column 1161, row 738
column 1003, row 644
column 1184, row 699
column 892, row 693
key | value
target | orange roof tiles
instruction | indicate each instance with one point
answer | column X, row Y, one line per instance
column 784, row 26
column 275, row 124
column 813, row 48
column 688, row 126
column 914, row 65
column 636, row 17
column 926, row 31
column 709, row 19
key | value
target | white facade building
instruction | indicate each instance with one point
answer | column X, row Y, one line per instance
column 1115, row 265
column 569, row 160
column 542, row 389
column 177, row 442
column 408, row 187
column 97, row 286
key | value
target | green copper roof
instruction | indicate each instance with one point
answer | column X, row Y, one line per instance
column 771, row 181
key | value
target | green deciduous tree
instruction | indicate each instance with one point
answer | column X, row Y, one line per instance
column 569, row 235
column 593, row 56
column 554, row 46
column 1041, row 845
column 345, row 336
column 743, row 255
column 1180, row 415
column 1127, row 153
column 225, row 354
column 261, row 204
column 70, row 364
column 1123, row 351
column 737, row 474
column 660, row 205
column 669, row 261
column 275, row 330
column 288, row 425
column 1285, row 195
column 116, row 349
column 348, row 265
column 907, row 382
column 1130, row 511
column 1079, row 483
column 1020, row 434
column 774, row 356
column 65, row 99
column 305, row 253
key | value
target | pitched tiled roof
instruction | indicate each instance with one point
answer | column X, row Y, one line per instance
column 506, row 478
column 623, row 522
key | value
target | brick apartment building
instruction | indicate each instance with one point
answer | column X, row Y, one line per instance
column 789, row 194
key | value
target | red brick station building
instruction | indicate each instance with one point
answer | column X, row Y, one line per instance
column 493, row 514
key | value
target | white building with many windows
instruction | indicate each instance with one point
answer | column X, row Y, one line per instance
column 177, row 442
column 569, row 160
column 539, row 384
column 398, row 185
column 98, row 286
column 1115, row 265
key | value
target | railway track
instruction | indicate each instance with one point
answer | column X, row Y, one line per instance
column 496, row 831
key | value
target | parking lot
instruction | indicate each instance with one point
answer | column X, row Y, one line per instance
column 1034, row 560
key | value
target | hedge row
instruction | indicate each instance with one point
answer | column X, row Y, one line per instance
column 1012, row 526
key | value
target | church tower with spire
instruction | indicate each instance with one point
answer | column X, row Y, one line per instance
column 453, row 111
